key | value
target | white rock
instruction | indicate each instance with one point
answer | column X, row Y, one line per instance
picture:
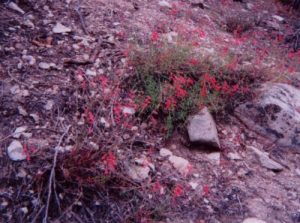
column 22, row 111
column 234, row 156
column 128, row 110
column 59, row 28
column 35, row 117
column 265, row 160
column 29, row 59
column 19, row 131
column 180, row 164
column 163, row 152
column 214, row 157
column 249, row 6
column 15, row 89
column 278, row 18
column 24, row 93
column 164, row 3
column 94, row 145
column 15, row 151
column 91, row 72
column 24, row 210
column 49, row 105
column 253, row 220
column 15, row 7
column 44, row 65
column 202, row 129
column 193, row 185
column 29, row 24
column 138, row 173
column 104, row 122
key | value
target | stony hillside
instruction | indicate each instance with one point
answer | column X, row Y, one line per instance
column 149, row 111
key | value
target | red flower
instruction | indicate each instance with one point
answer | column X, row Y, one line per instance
column 90, row 117
column 154, row 36
column 180, row 92
column 170, row 103
column 203, row 90
column 110, row 162
column 235, row 88
column 206, row 189
column 147, row 101
column 225, row 87
column 177, row 191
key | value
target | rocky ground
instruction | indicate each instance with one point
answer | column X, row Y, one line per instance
column 73, row 148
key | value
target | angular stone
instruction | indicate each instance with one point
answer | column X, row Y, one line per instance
column 164, row 3
column 59, row 28
column 163, row 152
column 265, row 160
column 274, row 113
column 138, row 173
column 19, row 131
column 202, row 129
column 180, row 164
column 214, row 157
column 278, row 18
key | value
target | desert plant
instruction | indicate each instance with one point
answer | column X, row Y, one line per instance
column 174, row 81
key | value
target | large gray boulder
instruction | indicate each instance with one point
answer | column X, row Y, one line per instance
column 275, row 114
column 202, row 129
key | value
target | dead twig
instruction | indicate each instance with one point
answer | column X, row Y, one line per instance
column 83, row 25
column 52, row 174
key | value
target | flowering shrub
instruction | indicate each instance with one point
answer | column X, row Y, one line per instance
column 173, row 81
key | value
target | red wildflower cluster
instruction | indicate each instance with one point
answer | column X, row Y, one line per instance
column 154, row 36
column 110, row 162
column 211, row 82
column 103, row 81
column 177, row 191
column 170, row 103
column 27, row 151
column 206, row 190
column 89, row 117
column 180, row 83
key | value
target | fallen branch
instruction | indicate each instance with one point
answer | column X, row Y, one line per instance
column 83, row 26
column 52, row 174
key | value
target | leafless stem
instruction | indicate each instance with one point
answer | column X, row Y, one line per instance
column 52, row 174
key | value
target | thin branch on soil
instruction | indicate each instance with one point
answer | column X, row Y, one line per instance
column 52, row 175
column 16, row 80
column 83, row 25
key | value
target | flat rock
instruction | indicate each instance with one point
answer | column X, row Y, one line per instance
column 278, row 18
column 44, row 65
column 49, row 105
column 265, row 160
column 274, row 114
column 60, row 28
column 163, row 152
column 214, row 157
column 138, row 173
column 253, row 220
column 19, row 131
column 164, row 3
column 15, row 151
column 202, row 129
column 180, row 164
column 234, row 156
column 128, row 111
